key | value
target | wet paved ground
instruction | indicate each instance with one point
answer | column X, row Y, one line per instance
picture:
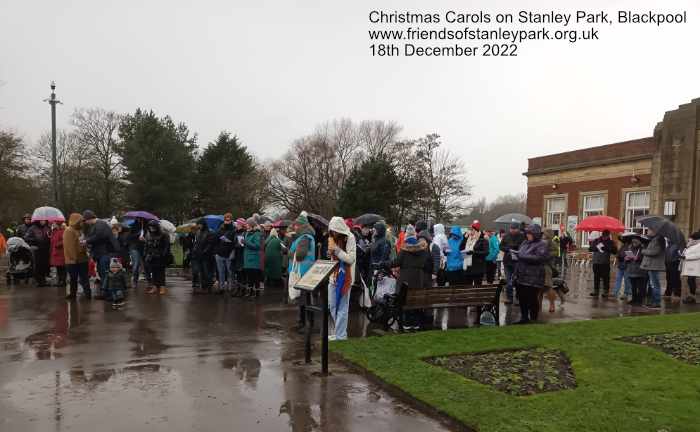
column 183, row 363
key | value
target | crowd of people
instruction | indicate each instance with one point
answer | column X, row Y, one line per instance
column 243, row 256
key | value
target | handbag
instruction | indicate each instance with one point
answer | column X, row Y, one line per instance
column 294, row 277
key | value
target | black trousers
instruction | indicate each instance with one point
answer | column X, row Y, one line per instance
column 491, row 267
column 158, row 274
column 673, row 280
column 78, row 273
column 639, row 289
column 474, row 279
column 529, row 302
column 61, row 273
column 455, row 277
column 601, row 278
column 692, row 284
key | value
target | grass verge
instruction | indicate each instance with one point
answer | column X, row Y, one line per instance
column 620, row 386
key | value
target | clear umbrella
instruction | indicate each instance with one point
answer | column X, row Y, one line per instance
column 49, row 214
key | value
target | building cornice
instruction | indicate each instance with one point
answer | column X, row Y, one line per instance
column 587, row 164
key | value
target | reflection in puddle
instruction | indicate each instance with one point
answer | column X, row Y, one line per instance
column 247, row 369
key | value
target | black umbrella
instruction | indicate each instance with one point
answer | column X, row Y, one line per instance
column 514, row 218
column 368, row 219
column 665, row 228
column 317, row 221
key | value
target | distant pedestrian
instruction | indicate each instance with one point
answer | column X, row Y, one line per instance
column 492, row 257
column 135, row 243
column 57, row 259
column 302, row 256
column 252, row 262
column 202, row 252
column 342, row 249
column 691, row 266
column 602, row 248
column 225, row 243
column 454, row 268
column 76, row 257
column 273, row 259
column 22, row 229
column 99, row 240
column 510, row 242
column 38, row 237
column 157, row 256
column 632, row 255
column 654, row 262
column 529, row 276
column 415, row 265
column 476, row 248
column 621, row 273
column 116, row 284
column 673, row 270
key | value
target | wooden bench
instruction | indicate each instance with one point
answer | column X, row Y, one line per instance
column 486, row 297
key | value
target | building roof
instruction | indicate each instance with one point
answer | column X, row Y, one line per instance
column 625, row 151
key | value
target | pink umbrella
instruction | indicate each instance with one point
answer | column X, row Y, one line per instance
column 49, row 214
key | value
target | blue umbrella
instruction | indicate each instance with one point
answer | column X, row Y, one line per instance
column 213, row 221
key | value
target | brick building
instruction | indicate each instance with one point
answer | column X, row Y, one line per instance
column 659, row 174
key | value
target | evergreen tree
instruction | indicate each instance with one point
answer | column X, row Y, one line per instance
column 159, row 158
column 226, row 177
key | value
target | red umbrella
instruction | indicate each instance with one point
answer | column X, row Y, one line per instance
column 600, row 223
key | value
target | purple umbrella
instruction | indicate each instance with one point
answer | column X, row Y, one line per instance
column 141, row 214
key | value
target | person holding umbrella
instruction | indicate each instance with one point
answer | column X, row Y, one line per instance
column 135, row 241
column 99, row 239
column 654, row 262
column 602, row 248
column 157, row 256
column 38, row 236
column 57, row 260
column 632, row 256
column 510, row 242
column 529, row 276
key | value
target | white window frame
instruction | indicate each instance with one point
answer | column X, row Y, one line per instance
column 563, row 213
column 585, row 196
column 629, row 219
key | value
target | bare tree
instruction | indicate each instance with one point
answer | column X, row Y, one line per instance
column 75, row 176
column 446, row 188
column 377, row 137
column 96, row 130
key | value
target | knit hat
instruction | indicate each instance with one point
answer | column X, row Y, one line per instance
column 89, row 214
column 240, row 222
column 515, row 225
column 411, row 235
column 476, row 225
column 303, row 218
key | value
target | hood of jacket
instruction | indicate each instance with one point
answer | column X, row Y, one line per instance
column 439, row 229
column 456, row 232
column 379, row 230
column 75, row 220
column 535, row 230
column 419, row 247
column 338, row 225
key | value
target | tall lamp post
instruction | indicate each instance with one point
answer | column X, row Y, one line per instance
column 54, row 169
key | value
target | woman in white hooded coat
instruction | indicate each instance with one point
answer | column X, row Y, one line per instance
column 691, row 265
column 341, row 247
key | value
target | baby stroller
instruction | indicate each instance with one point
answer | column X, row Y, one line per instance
column 381, row 299
column 21, row 260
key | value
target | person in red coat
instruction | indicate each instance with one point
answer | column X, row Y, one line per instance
column 57, row 259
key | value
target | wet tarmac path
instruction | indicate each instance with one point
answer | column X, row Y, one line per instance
column 200, row 363
column 175, row 363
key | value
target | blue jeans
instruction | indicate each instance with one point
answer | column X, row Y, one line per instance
column 509, row 270
column 655, row 284
column 340, row 318
column 222, row 270
column 619, row 277
column 136, row 263
column 102, row 264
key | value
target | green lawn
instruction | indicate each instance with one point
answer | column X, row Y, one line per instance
column 620, row 386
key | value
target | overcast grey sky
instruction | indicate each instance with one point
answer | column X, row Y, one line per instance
column 271, row 70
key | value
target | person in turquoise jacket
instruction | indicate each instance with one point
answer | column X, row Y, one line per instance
column 251, row 259
column 492, row 257
column 454, row 271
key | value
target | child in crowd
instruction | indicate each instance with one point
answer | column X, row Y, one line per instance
column 116, row 284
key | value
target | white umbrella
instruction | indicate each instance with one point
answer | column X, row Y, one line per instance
column 169, row 228
column 49, row 214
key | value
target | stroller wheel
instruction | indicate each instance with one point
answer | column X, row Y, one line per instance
column 376, row 313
